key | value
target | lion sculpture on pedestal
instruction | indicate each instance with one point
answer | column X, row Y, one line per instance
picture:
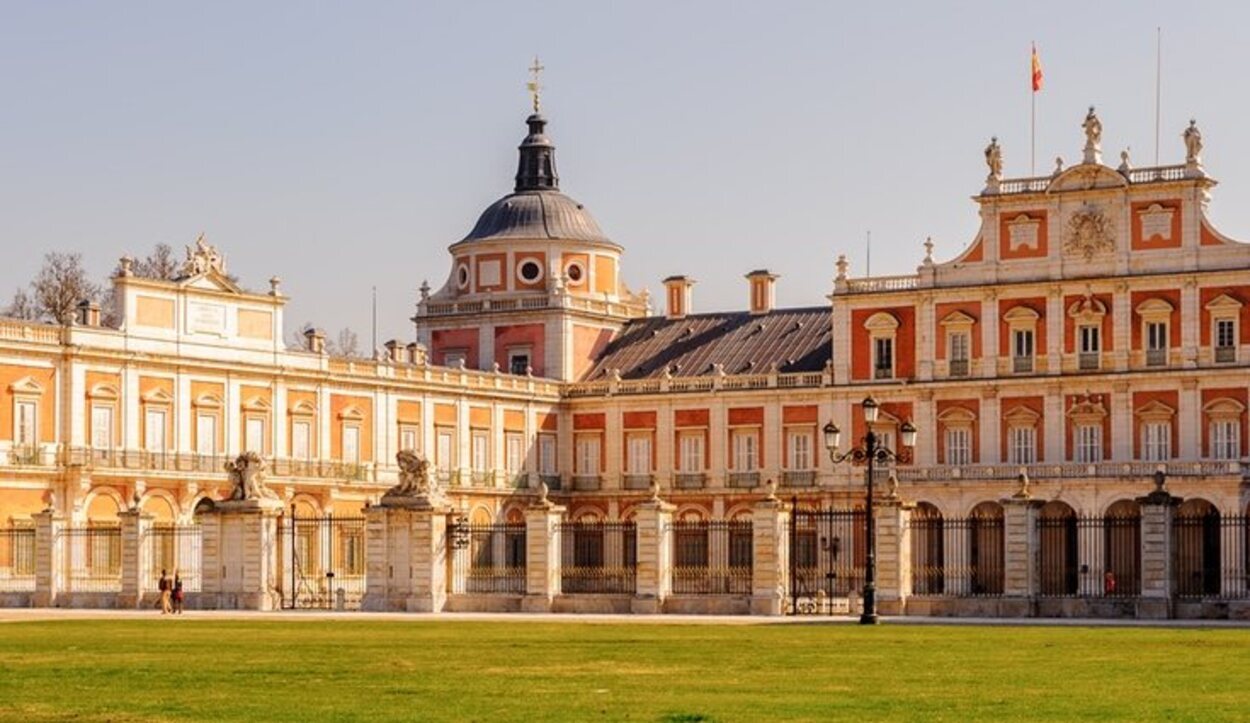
column 247, row 475
column 414, row 476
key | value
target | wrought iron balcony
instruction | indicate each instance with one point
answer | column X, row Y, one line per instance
column 1022, row 364
column 1089, row 361
column 744, row 480
column 635, row 481
column 587, row 482
column 690, row 480
column 799, row 478
column 1156, row 357
column 958, row 367
column 1225, row 354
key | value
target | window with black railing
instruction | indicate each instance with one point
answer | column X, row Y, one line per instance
column 712, row 557
column 598, row 557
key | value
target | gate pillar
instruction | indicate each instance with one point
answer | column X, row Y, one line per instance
column 1157, row 510
column 49, row 558
column 1020, row 552
column 542, row 554
column 771, row 554
column 240, row 551
column 406, row 554
column 136, row 558
column 655, row 555
column 893, row 554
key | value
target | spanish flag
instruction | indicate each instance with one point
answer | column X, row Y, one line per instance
column 1037, row 71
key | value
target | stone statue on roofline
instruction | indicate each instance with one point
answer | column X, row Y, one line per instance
column 994, row 160
column 1093, row 137
column 1193, row 148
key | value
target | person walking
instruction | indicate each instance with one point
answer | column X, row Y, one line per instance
column 177, row 593
column 164, row 586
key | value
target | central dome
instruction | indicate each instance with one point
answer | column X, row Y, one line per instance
column 536, row 215
column 536, row 209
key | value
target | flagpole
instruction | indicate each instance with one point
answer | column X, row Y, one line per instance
column 1032, row 116
column 1158, row 85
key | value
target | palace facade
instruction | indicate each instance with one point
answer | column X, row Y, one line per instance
column 1094, row 333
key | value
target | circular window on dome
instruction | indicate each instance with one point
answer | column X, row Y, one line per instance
column 530, row 271
column 462, row 276
column 575, row 272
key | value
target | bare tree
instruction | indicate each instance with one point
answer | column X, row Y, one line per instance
column 160, row 264
column 60, row 285
column 22, row 307
column 346, row 344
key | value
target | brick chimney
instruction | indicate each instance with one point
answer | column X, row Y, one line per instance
column 315, row 340
column 763, row 286
column 88, row 313
column 677, row 292
column 395, row 351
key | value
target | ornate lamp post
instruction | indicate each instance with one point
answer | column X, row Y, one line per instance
column 870, row 451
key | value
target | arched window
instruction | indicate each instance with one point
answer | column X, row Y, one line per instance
column 1122, row 549
column 928, row 562
column 1196, row 549
column 1057, row 558
column 986, row 549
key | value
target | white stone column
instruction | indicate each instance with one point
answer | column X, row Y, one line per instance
column 136, row 558
column 655, row 565
column 1020, row 548
column 990, row 424
column 989, row 335
column 718, row 444
column 1054, row 423
column 542, row 555
column 1157, row 510
column 1191, row 325
column 1188, row 427
column 771, row 557
column 1122, row 328
column 240, row 548
column 614, row 457
column 49, row 558
column 130, row 411
column 1121, row 422
column 79, row 408
column 183, row 416
column 893, row 555
column 664, row 442
column 926, row 331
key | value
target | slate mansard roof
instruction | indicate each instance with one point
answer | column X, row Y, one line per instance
column 795, row 340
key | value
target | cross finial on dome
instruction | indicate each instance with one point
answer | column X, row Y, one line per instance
column 535, row 85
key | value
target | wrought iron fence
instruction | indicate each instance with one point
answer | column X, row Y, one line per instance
column 828, row 555
column 95, row 557
column 1209, row 555
column 323, row 561
column 598, row 557
column 177, row 549
column 17, row 558
column 1089, row 556
column 957, row 556
column 712, row 557
column 487, row 558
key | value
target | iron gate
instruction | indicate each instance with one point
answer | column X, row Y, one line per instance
column 828, row 557
column 324, row 561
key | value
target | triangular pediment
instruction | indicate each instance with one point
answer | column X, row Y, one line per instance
column 158, row 396
column 1021, row 313
column 210, row 280
column 1224, row 407
column 103, row 391
column 1021, row 416
column 1223, row 301
column 303, row 406
column 957, row 415
column 881, row 321
column 1155, row 410
column 1086, row 177
column 26, row 385
column 1154, row 306
column 958, row 318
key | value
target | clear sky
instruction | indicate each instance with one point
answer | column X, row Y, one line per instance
column 345, row 145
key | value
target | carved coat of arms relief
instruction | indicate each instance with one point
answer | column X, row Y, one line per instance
column 1089, row 232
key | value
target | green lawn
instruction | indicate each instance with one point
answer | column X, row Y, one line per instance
column 359, row 670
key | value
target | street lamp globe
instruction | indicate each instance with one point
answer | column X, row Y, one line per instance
column 871, row 408
column 833, row 436
column 908, row 432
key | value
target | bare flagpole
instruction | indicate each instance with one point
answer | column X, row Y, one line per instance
column 868, row 255
column 375, row 320
column 1032, row 116
column 1158, row 85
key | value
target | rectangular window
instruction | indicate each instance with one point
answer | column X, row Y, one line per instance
column 408, row 437
column 1088, row 442
column 547, row 461
column 514, row 452
column 638, row 458
column 301, row 439
column 745, row 444
column 1090, row 337
column 690, row 452
column 1022, row 445
column 154, row 430
column 25, row 431
column 958, row 446
column 479, row 444
column 883, row 358
column 799, row 442
column 587, row 455
column 254, row 435
column 102, row 427
column 1156, row 343
column 1226, row 439
column 959, row 348
column 1022, row 350
column 446, row 457
column 351, row 444
column 1225, row 340
column 1156, row 441
column 206, row 434
column 519, row 361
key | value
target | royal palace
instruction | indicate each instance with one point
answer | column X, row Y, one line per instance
column 1057, row 420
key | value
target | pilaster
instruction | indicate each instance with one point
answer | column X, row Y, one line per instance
column 49, row 558
column 771, row 557
column 136, row 558
column 542, row 555
column 893, row 554
column 1020, row 546
column 240, row 548
column 1157, row 511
